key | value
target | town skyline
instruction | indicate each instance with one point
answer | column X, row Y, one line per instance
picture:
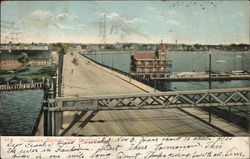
column 193, row 22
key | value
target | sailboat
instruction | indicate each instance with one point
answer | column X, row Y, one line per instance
column 220, row 61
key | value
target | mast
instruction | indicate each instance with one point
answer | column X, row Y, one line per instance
column 104, row 29
column 234, row 62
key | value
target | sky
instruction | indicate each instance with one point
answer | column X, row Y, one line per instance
column 189, row 22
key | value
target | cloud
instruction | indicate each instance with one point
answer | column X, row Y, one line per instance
column 120, row 26
column 166, row 16
column 115, row 15
column 164, row 20
column 134, row 20
column 172, row 22
column 65, row 26
column 64, row 16
column 41, row 13
column 44, row 19
column 111, row 15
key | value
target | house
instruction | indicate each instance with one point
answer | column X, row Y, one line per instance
column 39, row 55
column 152, row 65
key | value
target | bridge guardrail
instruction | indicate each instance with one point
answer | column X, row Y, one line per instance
column 161, row 100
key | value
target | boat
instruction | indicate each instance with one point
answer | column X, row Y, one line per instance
column 220, row 61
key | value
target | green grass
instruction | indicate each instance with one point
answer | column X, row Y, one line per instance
column 31, row 73
column 30, row 69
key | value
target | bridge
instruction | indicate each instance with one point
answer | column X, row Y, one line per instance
column 163, row 100
column 97, row 101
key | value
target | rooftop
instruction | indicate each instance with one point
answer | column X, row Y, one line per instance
column 161, row 47
column 31, row 47
column 139, row 56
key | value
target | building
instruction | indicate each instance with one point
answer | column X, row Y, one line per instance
column 39, row 55
column 151, row 65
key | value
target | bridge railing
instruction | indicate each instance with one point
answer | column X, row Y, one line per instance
column 176, row 99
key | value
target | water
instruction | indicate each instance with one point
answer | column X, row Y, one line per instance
column 183, row 61
column 186, row 61
column 18, row 111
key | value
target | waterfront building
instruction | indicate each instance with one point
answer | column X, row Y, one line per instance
column 151, row 65
column 38, row 54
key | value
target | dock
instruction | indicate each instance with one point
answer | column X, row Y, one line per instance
column 193, row 76
column 21, row 86
column 173, row 78
column 146, row 72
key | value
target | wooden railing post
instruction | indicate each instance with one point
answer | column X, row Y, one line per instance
column 46, row 125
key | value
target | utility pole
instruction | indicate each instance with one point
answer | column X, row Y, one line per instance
column 60, row 71
column 112, row 62
column 234, row 62
column 242, row 62
column 155, row 73
column 47, row 129
column 102, row 57
column 210, row 69
column 130, row 68
column 104, row 29
column 0, row 59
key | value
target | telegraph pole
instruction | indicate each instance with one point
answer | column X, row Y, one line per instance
column 242, row 62
column 234, row 62
column 60, row 70
column 130, row 68
column 47, row 125
column 104, row 29
column 112, row 63
column 155, row 73
column 210, row 69
column 102, row 57
column 0, row 59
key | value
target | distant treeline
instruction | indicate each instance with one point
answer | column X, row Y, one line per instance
column 137, row 46
column 171, row 47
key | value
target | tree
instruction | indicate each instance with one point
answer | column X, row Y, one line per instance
column 62, row 50
column 62, row 47
column 197, row 46
column 23, row 58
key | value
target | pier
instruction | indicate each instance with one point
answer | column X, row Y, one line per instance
column 21, row 86
column 150, row 74
column 90, row 86
column 205, row 77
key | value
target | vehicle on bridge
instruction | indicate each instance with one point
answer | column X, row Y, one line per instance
column 75, row 61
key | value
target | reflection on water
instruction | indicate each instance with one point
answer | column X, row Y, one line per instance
column 18, row 111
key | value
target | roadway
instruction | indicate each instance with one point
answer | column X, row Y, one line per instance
column 87, row 79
